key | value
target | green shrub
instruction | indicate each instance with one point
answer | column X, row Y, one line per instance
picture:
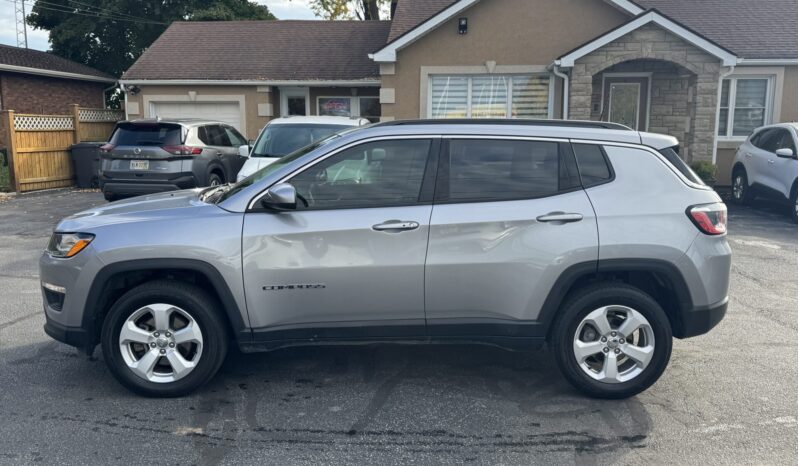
column 705, row 170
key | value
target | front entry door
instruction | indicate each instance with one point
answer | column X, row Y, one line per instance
column 349, row 260
column 626, row 101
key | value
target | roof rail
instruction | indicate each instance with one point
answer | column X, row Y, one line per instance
column 511, row 121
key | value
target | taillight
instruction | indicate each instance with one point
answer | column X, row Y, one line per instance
column 709, row 218
column 106, row 148
column 182, row 150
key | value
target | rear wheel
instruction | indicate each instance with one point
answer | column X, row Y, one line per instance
column 612, row 341
column 741, row 192
column 110, row 197
column 215, row 179
column 164, row 338
column 794, row 203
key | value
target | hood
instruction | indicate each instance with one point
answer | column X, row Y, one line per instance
column 134, row 209
column 254, row 164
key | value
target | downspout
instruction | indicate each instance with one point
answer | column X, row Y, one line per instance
column 723, row 75
column 566, row 88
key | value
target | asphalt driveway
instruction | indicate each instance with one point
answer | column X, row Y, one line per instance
column 727, row 397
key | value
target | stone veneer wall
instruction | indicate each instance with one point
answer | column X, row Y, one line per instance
column 695, row 124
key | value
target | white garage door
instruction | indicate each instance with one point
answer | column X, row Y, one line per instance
column 227, row 112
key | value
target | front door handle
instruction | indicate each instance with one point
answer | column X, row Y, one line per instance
column 560, row 217
column 747, row 155
column 771, row 161
column 395, row 225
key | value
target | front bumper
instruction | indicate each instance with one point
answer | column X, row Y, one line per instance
column 701, row 320
column 72, row 336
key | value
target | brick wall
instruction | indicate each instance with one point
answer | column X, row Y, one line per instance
column 25, row 93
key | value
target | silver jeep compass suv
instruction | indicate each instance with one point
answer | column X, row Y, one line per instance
column 589, row 236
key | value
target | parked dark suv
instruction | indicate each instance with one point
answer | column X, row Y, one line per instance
column 150, row 156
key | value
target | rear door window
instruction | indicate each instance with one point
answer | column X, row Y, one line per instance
column 476, row 170
column 594, row 169
column 235, row 138
column 137, row 134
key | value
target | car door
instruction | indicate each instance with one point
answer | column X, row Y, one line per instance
column 782, row 171
column 758, row 156
column 509, row 218
column 349, row 260
column 234, row 160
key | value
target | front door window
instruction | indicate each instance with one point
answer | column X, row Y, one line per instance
column 625, row 101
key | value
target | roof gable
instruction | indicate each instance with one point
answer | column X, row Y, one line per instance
column 285, row 50
column 30, row 61
column 726, row 57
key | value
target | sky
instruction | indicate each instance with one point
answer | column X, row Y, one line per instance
column 37, row 39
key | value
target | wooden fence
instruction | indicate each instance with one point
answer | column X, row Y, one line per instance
column 38, row 145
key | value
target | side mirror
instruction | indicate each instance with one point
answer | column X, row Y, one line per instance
column 785, row 152
column 243, row 151
column 280, row 197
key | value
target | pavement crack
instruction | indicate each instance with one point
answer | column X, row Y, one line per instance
column 5, row 325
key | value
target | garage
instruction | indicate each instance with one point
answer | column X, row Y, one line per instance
column 227, row 112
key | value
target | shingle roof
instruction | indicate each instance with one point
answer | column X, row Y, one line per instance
column 749, row 28
column 264, row 50
column 411, row 13
column 28, row 58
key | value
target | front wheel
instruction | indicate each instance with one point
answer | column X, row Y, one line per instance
column 612, row 341
column 794, row 203
column 164, row 338
column 741, row 192
column 214, row 179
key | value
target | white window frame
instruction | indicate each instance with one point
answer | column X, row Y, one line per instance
column 470, row 77
column 354, row 102
column 775, row 76
column 286, row 92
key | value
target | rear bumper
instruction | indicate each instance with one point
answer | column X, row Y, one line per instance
column 144, row 186
column 701, row 320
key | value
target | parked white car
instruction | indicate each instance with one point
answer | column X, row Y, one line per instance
column 285, row 135
column 767, row 165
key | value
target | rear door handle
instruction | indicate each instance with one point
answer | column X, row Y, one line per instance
column 771, row 161
column 748, row 155
column 218, row 153
column 395, row 225
column 560, row 217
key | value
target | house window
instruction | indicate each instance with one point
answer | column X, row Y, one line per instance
column 365, row 107
column 489, row 96
column 745, row 104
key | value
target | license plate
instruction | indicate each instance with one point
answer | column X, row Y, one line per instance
column 139, row 164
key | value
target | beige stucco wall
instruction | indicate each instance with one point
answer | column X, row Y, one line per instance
column 789, row 112
column 253, row 123
column 509, row 32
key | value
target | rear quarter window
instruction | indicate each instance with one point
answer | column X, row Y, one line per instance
column 132, row 134
column 672, row 156
column 594, row 168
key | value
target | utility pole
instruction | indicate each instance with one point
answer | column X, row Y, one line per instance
column 22, row 30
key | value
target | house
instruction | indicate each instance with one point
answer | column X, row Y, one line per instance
column 707, row 71
column 32, row 81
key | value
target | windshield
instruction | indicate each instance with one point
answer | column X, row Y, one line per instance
column 227, row 191
column 279, row 140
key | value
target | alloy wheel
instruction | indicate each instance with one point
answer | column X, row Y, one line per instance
column 738, row 189
column 161, row 343
column 613, row 344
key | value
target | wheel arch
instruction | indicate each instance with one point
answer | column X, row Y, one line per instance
column 737, row 167
column 660, row 279
column 218, row 168
column 115, row 279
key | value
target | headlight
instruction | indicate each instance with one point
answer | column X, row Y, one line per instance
column 68, row 244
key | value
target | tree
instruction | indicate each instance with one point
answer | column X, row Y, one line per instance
column 110, row 35
column 353, row 9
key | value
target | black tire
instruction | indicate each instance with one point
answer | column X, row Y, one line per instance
column 741, row 193
column 215, row 179
column 196, row 302
column 593, row 297
column 794, row 203
column 111, row 197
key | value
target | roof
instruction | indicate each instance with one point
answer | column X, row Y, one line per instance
column 37, row 62
column 263, row 50
column 319, row 120
column 727, row 57
column 411, row 13
column 751, row 29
